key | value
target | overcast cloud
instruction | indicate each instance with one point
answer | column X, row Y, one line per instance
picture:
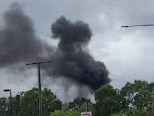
column 127, row 52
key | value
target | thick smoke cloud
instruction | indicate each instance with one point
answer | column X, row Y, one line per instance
column 72, row 35
column 18, row 41
column 72, row 59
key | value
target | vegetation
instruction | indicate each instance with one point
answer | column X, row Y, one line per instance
column 26, row 103
column 65, row 113
column 107, row 101
column 134, row 99
column 81, row 104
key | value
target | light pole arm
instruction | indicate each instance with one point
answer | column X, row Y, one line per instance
column 126, row 26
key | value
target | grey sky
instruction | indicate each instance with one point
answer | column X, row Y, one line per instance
column 128, row 53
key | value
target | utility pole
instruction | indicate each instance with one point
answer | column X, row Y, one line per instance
column 39, row 82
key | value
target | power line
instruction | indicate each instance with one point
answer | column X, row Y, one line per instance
column 68, row 70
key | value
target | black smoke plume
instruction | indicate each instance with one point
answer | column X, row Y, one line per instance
column 19, row 44
column 72, row 60
column 18, row 41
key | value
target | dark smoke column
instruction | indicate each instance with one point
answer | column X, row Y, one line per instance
column 72, row 59
column 18, row 41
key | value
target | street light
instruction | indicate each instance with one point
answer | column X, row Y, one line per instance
column 126, row 26
column 145, row 25
column 9, row 90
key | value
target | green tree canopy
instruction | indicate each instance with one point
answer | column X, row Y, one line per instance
column 29, row 102
column 3, row 106
column 81, row 104
column 107, row 101
column 26, row 103
column 137, row 95
column 65, row 113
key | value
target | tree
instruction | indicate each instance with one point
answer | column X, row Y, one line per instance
column 16, row 105
column 107, row 101
column 26, row 103
column 137, row 95
column 29, row 103
column 65, row 113
column 3, row 106
column 50, row 102
column 118, row 114
column 81, row 104
column 135, row 112
column 132, row 112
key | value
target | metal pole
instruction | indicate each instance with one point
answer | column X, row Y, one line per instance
column 39, row 82
column 152, row 106
column 40, row 89
column 126, row 26
column 11, row 102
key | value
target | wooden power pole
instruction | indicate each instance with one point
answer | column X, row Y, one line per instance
column 39, row 82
